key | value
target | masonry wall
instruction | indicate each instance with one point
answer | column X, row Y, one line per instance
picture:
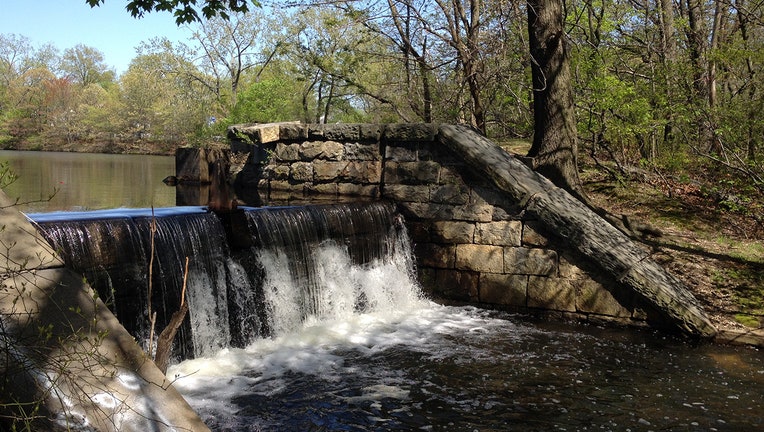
column 472, row 243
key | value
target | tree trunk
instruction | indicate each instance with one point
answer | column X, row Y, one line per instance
column 668, row 36
column 668, row 61
column 555, row 150
column 717, row 31
column 696, row 40
column 752, row 138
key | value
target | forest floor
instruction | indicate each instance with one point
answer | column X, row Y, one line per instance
column 715, row 247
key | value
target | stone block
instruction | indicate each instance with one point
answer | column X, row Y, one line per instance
column 366, row 190
column 473, row 213
column 324, row 171
column 592, row 297
column 426, row 210
column 569, row 270
column 411, row 172
column 267, row 133
column 436, row 211
column 435, row 255
column 276, row 172
column 504, row 233
column 301, row 172
column 257, row 133
column 322, row 188
column 450, row 175
column 327, row 150
column 315, row 131
column 502, row 289
column 362, row 152
column 419, row 232
column 293, row 132
column 400, row 153
column 429, row 151
column 452, row 232
column 407, row 193
column 482, row 258
column 342, row 132
column 362, row 172
column 282, row 185
column 489, row 195
column 410, row 132
column 286, row 152
column 541, row 262
column 370, row 132
column 499, row 214
column 551, row 293
column 456, row 285
column 450, row 194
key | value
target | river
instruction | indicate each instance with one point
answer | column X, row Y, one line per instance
column 49, row 181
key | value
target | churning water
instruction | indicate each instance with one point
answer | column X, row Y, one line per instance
column 461, row 369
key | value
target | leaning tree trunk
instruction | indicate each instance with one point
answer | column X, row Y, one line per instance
column 582, row 229
column 554, row 152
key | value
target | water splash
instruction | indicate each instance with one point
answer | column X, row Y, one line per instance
column 306, row 264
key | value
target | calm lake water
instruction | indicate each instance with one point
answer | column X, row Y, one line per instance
column 87, row 181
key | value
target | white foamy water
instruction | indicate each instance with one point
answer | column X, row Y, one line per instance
column 366, row 308
column 358, row 313
column 334, row 351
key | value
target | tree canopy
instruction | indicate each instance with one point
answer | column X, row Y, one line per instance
column 657, row 85
column 185, row 11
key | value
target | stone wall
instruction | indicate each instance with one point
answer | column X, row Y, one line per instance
column 473, row 243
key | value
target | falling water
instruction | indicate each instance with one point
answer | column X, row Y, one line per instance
column 316, row 262
column 113, row 250
column 236, row 295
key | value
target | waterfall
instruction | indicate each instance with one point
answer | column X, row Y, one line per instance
column 279, row 268
column 318, row 262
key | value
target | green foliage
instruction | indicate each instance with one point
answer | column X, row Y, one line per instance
column 85, row 65
column 185, row 11
column 269, row 100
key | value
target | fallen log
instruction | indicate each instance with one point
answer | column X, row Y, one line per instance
column 581, row 229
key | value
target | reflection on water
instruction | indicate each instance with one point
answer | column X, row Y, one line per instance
column 85, row 181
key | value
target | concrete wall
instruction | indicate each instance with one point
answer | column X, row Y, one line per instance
column 473, row 243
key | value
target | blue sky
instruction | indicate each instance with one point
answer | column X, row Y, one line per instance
column 108, row 28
